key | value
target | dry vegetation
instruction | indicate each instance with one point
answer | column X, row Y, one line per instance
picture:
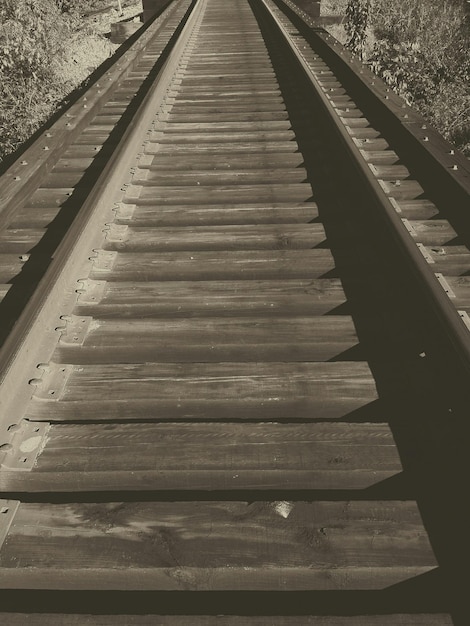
column 47, row 49
column 419, row 47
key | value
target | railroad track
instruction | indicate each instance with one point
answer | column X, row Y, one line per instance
column 235, row 346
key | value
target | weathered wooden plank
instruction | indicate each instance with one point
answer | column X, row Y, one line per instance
column 34, row 218
column 239, row 237
column 228, row 67
column 217, row 126
column 64, row 179
column 448, row 260
column 230, row 214
column 209, row 391
column 233, row 118
column 403, row 189
column 136, row 340
column 460, row 291
column 242, row 136
column 208, row 456
column 236, row 54
column 226, row 76
column 221, row 81
column 19, row 240
column 416, row 209
column 250, row 102
column 49, row 198
column 85, row 150
column 215, row 546
column 220, row 147
column 235, row 91
column 71, row 163
column 185, row 108
column 214, row 194
column 231, row 176
column 90, row 137
column 432, row 232
column 389, row 171
column 54, row 619
column 206, row 298
column 219, row 265
column 231, row 43
column 200, row 163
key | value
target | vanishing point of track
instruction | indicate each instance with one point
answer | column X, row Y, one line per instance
column 235, row 341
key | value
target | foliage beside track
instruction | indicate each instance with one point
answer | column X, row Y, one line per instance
column 421, row 49
column 40, row 61
column 30, row 51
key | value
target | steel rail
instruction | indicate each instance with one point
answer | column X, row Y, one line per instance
column 34, row 336
column 450, row 319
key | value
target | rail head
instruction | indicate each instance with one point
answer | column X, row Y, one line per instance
column 453, row 323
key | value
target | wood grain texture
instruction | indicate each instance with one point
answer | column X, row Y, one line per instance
column 248, row 136
column 208, row 456
column 213, row 391
column 215, row 546
column 215, row 215
column 208, row 163
column 140, row 340
column 232, row 175
column 210, row 298
column 220, row 265
column 449, row 260
column 248, row 145
column 243, row 237
column 19, row 241
column 433, row 232
column 221, row 194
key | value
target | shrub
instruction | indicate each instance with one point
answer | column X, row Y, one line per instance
column 420, row 48
column 357, row 19
column 33, row 39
